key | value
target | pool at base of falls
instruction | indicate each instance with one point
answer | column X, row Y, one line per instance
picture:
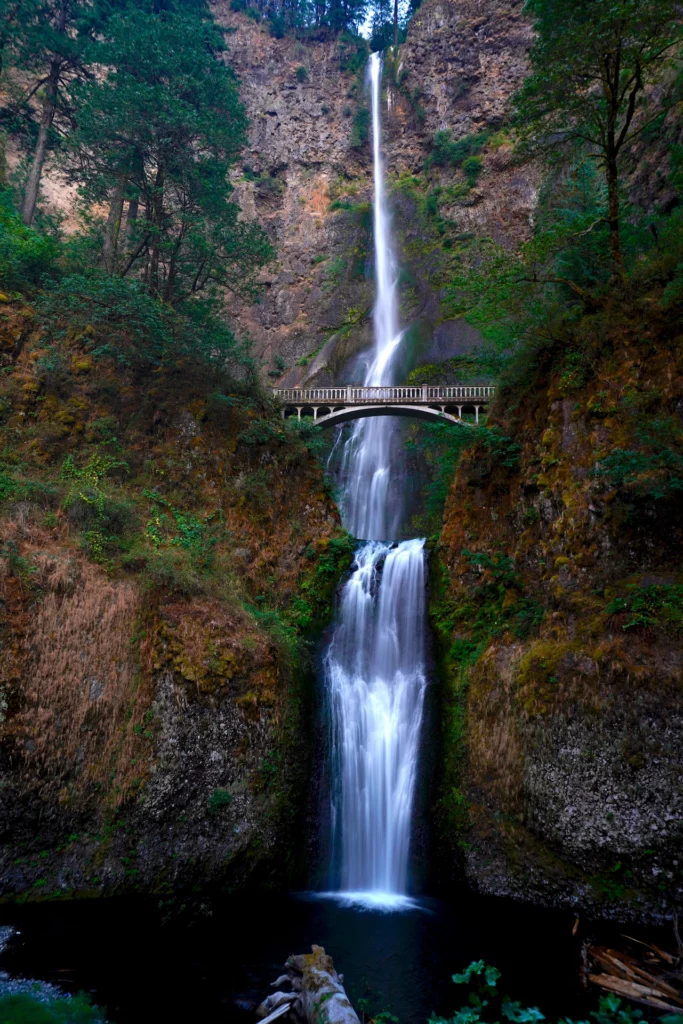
column 213, row 959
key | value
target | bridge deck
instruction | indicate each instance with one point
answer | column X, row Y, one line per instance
column 427, row 394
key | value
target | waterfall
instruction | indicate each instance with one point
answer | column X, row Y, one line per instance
column 370, row 511
column 375, row 665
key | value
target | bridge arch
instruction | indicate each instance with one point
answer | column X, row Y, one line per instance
column 359, row 412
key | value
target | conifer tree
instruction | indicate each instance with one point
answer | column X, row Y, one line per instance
column 48, row 40
column 591, row 65
column 159, row 131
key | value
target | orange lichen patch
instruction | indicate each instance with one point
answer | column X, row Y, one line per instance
column 80, row 682
column 317, row 196
column 492, row 733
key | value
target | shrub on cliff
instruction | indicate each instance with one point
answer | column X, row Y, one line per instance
column 27, row 257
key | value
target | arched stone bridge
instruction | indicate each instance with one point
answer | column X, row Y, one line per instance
column 431, row 402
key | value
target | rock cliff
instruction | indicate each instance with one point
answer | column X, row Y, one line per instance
column 167, row 555
column 307, row 174
column 558, row 602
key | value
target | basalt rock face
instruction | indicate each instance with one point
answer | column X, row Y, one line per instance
column 155, row 605
column 300, row 102
column 457, row 70
column 307, row 175
column 558, row 603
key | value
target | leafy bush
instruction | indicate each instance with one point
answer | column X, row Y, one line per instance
column 447, row 153
column 121, row 319
column 656, row 605
column 653, row 469
column 301, row 74
column 361, row 128
column 503, row 449
column 27, row 258
column 277, row 26
column 486, row 1003
column 471, row 165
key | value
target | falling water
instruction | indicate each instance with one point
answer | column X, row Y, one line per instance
column 367, row 461
column 375, row 668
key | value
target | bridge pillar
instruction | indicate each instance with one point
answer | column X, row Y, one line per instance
column 315, row 413
column 283, row 412
column 425, row 396
column 459, row 412
column 298, row 411
column 348, row 394
column 476, row 413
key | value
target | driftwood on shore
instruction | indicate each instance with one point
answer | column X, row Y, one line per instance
column 309, row 991
column 651, row 976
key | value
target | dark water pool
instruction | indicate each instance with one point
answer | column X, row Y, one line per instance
column 210, row 961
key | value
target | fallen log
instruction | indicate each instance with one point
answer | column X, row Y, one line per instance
column 317, row 993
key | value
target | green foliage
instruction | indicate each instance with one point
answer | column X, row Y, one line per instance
column 439, row 447
column 471, row 165
column 353, row 53
column 653, row 469
column 651, row 606
column 27, row 257
column 301, row 74
column 361, row 128
column 277, row 26
column 190, row 239
column 503, row 450
column 89, row 505
column 86, row 481
column 122, row 320
column 24, row 1009
column 219, row 800
column 487, row 1004
column 293, row 627
column 459, row 153
column 169, row 526
column 496, row 601
column 592, row 64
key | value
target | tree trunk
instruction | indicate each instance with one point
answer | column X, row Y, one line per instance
column 46, row 119
column 157, row 211
column 395, row 23
column 111, row 234
column 614, row 217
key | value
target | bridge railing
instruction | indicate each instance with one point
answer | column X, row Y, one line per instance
column 412, row 394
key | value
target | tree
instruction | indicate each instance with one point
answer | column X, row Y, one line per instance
column 591, row 65
column 160, row 131
column 47, row 39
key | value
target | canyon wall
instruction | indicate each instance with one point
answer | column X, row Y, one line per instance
column 307, row 176
column 168, row 557
column 557, row 605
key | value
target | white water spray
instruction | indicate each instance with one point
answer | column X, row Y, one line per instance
column 375, row 667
